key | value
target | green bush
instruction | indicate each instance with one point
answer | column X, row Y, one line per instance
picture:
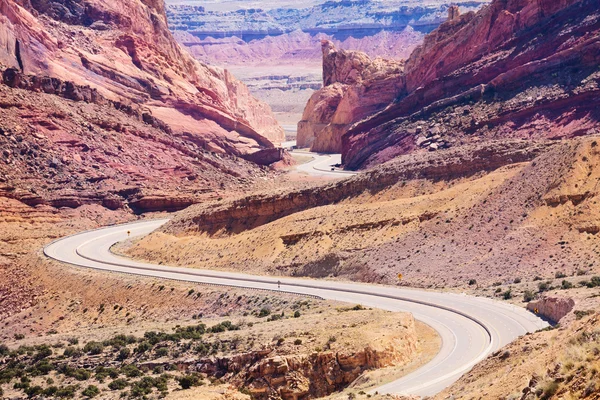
column 507, row 295
column 118, row 384
column 93, row 348
column 131, row 371
column 80, row 374
column 66, row 392
column 188, row 381
column 43, row 352
column 91, row 391
column 4, row 350
column 124, row 353
column 72, row 352
column 162, row 352
column 33, row 391
column 528, row 296
column 143, row 347
column 264, row 312
column 566, row 285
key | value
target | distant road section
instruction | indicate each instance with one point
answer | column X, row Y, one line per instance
column 470, row 327
column 321, row 165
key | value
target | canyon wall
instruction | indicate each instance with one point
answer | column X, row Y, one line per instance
column 100, row 105
column 125, row 50
column 518, row 69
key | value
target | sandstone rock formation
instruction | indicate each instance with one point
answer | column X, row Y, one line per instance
column 101, row 106
column 552, row 308
column 354, row 86
column 509, row 70
column 314, row 375
column 126, row 52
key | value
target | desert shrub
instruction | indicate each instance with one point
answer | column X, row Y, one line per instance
column 142, row 387
column 566, row 285
column 91, row 391
column 203, row 349
column 188, row 381
column 33, row 391
column 41, row 368
column 43, row 352
column 264, row 312
column 191, row 332
column 124, row 353
column 80, row 374
column 143, row 347
column 549, row 390
column 298, row 342
column 528, row 296
column 223, row 327
column 507, row 295
column 4, row 350
column 131, row 371
column 543, row 286
column 162, row 352
column 560, row 275
column 73, row 341
column 297, row 314
column 118, row 384
column 517, row 280
column 93, row 348
column 66, row 392
column 579, row 314
column 105, row 372
column 472, row 282
column 19, row 336
column 72, row 352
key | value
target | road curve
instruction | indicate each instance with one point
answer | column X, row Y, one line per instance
column 321, row 163
column 470, row 327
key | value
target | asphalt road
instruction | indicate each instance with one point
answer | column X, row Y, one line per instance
column 321, row 164
column 470, row 327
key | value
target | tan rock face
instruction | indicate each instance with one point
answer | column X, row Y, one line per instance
column 553, row 308
column 354, row 86
column 125, row 50
column 318, row 374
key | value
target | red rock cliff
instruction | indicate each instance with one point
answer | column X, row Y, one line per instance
column 516, row 68
column 125, row 50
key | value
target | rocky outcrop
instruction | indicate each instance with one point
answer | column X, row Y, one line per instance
column 552, row 308
column 124, row 50
column 354, row 86
column 266, row 374
column 469, row 79
column 249, row 212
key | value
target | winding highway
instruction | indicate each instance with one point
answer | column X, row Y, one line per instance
column 470, row 327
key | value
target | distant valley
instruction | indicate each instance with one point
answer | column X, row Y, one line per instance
column 282, row 40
